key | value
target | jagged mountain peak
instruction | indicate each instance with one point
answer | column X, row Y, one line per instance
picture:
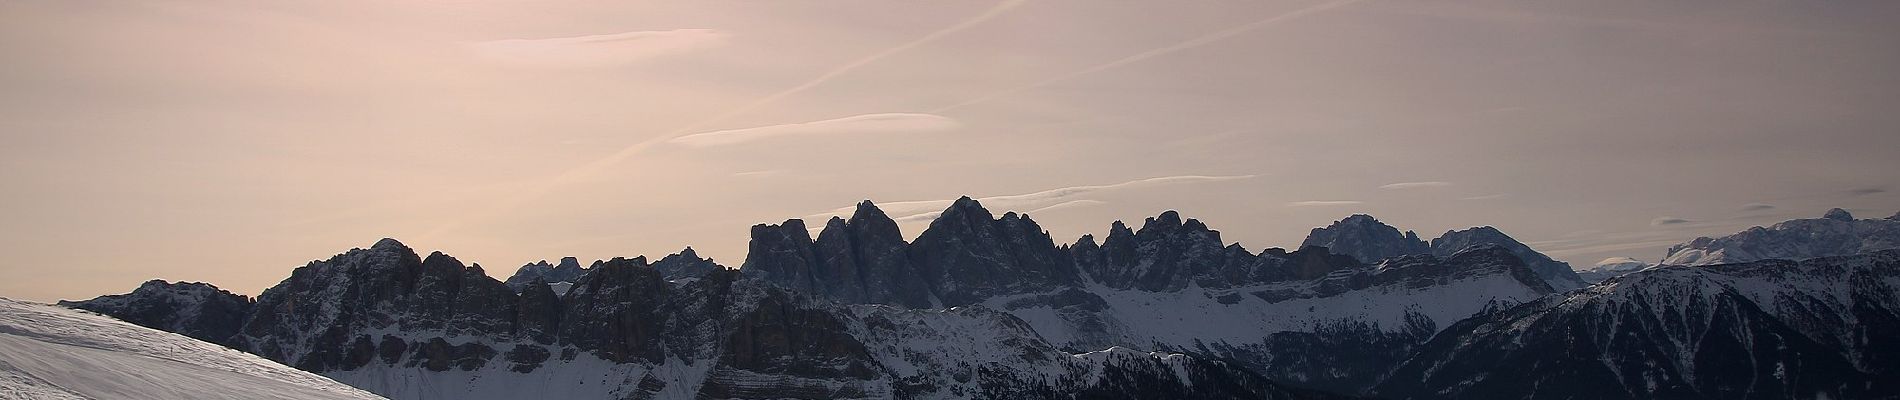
column 685, row 264
column 1557, row 273
column 1367, row 239
column 1838, row 214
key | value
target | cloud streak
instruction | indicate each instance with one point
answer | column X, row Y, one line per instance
column 1663, row 221
column 1415, row 185
column 1757, row 206
column 1488, row 197
column 1865, row 191
column 595, row 51
column 867, row 123
column 1045, row 200
column 1157, row 52
column 581, row 172
column 1325, row 203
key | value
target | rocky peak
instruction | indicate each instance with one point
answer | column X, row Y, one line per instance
column 1838, row 215
column 860, row 260
column 198, row 310
column 1895, row 217
column 968, row 256
column 389, row 244
column 1366, row 239
column 568, row 271
column 1557, row 273
column 1166, row 254
column 685, row 264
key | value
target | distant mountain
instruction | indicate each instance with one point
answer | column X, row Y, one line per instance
column 54, row 353
column 1557, row 273
column 990, row 306
column 566, row 272
column 389, row 321
column 193, row 309
column 1612, row 267
column 1821, row 328
column 1368, row 240
column 1836, row 233
column 1309, row 317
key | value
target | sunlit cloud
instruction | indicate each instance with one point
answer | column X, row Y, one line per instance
column 868, row 123
column 1325, row 203
column 1415, row 185
column 595, row 51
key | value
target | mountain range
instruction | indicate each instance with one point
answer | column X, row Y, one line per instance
column 987, row 306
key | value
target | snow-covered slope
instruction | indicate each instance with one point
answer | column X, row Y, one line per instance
column 49, row 352
column 1612, row 267
column 1820, row 328
column 1835, row 234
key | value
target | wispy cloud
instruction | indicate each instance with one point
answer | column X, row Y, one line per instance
column 1415, row 185
column 1865, row 191
column 868, row 123
column 1324, row 203
column 1069, row 204
column 1489, row 197
column 1203, row 40
column 1045, row 200
column 1662, row 221
column 1757, row 206
column 595, row 51
column 758, row 174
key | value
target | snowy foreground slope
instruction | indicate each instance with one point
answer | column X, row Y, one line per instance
column 49, row 352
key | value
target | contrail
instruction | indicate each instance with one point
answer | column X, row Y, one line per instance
column 1191, row 43
column 589, row 169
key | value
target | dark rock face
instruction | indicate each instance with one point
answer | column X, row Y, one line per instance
column 1838, row 215
column 538, row 311
column 1772, row 329
column 862, row 261
column 193, row 309
column 967, row 256
column 1169, row 254
column 382, row 317
column 568, row 270
column 964, row 257
column 1366, row 239
column 1557, row 273
column 614, row 311
column 685, row 264
column 1166, row 254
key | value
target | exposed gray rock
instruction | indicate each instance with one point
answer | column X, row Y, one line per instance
column 569, row 270
column 1557, row 273
column 1366, row 239
column 193, row 309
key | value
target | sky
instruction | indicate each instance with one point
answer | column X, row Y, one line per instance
column 232, row 141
